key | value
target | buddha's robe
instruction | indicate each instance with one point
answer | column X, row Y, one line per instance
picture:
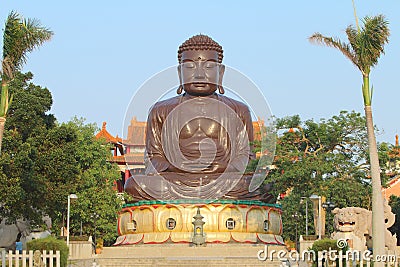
column 197, row 148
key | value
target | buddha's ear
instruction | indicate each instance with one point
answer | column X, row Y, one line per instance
column 180, row 88
column 221, row 71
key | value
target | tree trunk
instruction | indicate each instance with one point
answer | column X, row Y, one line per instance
column 2, row 122
column 378, row 219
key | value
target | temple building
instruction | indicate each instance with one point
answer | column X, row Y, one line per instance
column 393, row 171
column 127, row 153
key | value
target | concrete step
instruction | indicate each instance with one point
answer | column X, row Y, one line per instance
column 180, row 250
column 195, row 262
column 176, row 255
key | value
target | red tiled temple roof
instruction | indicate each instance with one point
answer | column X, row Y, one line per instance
column 106, row 135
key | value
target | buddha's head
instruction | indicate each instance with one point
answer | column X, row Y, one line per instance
column 200, row 67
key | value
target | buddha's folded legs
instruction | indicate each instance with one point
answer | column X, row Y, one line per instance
column 169, row 186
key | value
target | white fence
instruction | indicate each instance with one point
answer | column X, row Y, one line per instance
column 30, row 258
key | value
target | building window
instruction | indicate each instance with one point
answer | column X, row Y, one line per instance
column 171, row 223
column 230, row 224
column 266, row 225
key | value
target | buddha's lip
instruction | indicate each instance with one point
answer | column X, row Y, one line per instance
column 199, row 84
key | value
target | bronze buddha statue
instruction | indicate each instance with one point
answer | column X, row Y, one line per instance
column 198, row 143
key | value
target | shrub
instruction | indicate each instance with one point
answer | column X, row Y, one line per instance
column 51, row 243
column 326, row 244
column 79, row 238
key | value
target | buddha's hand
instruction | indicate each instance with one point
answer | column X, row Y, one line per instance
column 215, row 167
column 219, row 167
column 172, row 168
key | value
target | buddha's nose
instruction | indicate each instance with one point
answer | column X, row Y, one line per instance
column 200, row 72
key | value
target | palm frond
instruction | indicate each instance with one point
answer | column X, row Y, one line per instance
column 346, row 49
column 365, row 45
column 352, row 33
column 353, row 36
column 21, row 36
column 35, row 35
column 372, row 39
column 9, row 42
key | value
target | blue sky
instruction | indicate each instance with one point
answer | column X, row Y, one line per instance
column 103, row 51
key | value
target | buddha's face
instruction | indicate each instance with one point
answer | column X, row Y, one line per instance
column 200, row 73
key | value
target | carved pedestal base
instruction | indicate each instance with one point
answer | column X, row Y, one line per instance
column 154, row 222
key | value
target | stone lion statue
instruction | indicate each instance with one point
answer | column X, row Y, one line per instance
column 355, row 224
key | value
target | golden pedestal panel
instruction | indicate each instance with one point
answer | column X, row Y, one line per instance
column 155, row 222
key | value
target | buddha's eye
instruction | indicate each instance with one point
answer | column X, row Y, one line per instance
column 190, row 65
column 210, row 64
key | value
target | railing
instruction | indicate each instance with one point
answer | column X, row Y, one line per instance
column 30, row 258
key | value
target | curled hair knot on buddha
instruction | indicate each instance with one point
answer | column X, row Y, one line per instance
column 200, row 42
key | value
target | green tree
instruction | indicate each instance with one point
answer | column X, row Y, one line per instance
column 366, row 44
column 324, row 158
column 27, row 120
column 98, row 203
column 29, row 115
column 43, row 162
column 20, row 37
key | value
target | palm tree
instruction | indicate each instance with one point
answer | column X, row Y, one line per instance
column 364, row 49
column 20, row 37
